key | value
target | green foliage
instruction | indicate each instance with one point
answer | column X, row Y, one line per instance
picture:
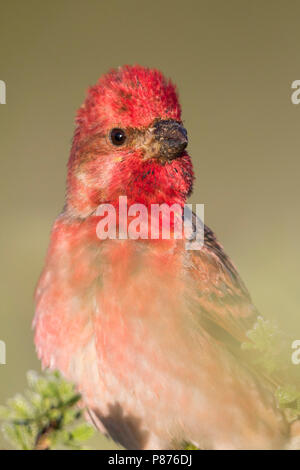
column 288, row 397
column 189, row 446
column 273, row 356
column 46, row 417
column 272, row 346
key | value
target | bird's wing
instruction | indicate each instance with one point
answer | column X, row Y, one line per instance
column 224, row 304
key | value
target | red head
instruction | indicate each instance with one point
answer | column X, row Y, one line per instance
column 129, row 140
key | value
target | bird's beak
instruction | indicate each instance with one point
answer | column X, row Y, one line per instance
column 171, row 138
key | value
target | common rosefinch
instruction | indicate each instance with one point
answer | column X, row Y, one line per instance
column 148, row 330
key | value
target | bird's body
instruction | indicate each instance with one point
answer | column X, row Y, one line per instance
column 147, row 329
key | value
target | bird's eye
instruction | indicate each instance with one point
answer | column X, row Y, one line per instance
column 118, row 136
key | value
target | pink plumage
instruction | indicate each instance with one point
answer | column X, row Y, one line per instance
column 145, row 328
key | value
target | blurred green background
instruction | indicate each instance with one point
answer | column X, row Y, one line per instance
column 233, row 62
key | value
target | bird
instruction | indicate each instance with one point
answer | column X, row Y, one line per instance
column 148, row 330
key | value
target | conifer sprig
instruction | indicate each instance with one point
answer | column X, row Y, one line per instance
column 46, row 416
